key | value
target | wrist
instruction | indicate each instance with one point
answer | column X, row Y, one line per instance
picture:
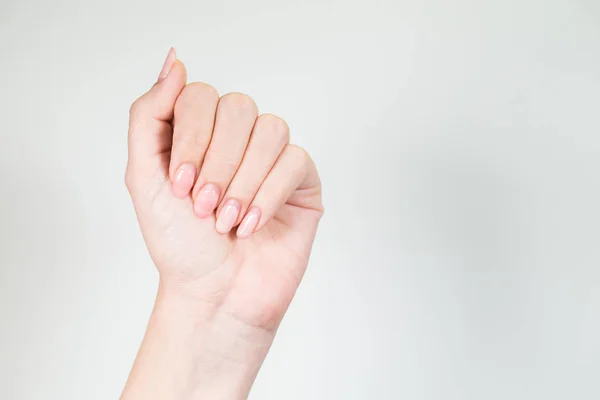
column 196, row 350
column 209, row 325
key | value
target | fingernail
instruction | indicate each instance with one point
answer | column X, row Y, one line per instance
column 171, row 57
column 207, row 200
column 184, row 180
column 249, row 223
column 228, row 216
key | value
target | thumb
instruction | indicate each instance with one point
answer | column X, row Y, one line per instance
column 150, row 118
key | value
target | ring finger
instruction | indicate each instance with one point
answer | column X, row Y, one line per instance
column 269, row 136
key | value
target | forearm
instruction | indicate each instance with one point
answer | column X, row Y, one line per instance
column 194, row 351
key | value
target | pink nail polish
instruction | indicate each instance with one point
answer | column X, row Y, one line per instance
column 170, row 60
column 228, row 215
column 184, row 180
column 249, row 223
column 206, row 200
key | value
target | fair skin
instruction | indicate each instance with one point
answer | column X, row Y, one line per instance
column 228, row 209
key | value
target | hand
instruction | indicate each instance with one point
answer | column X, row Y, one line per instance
column 227, row 207
column 184, row 139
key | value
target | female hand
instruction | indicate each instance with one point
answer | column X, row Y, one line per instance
column 228, row 209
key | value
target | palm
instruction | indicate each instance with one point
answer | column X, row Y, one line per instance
column 258, row 276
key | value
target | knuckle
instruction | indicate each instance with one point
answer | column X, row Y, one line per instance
column 198, row 92
column 275, row 126
column 135, row 107
column 240, row 102
column 191, row 110
column 299, row 155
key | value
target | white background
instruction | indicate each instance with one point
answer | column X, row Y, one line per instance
column 459, row 147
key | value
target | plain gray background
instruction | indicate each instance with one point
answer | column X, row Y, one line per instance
column 459, row 147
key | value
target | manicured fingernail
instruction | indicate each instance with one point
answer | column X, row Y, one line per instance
column 207, row 200
column 249, row 223
column 228, row 216
column 171, row 57
column 184, row 180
